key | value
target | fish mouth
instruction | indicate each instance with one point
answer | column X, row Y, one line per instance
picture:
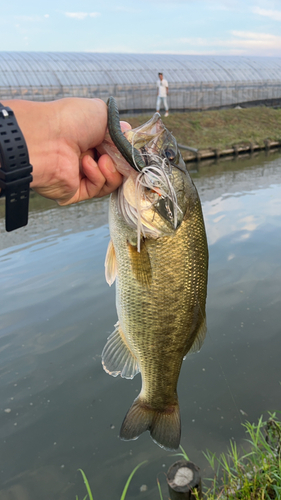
column 140, row 158
column 152, row 151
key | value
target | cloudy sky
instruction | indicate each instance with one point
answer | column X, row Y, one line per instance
column 239, row 27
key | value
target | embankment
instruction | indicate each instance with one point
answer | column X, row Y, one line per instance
column 222, row 130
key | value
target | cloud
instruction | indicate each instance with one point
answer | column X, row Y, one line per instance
column 272, row 14
column 239, row 43
column 81, row 15
column 256, row 40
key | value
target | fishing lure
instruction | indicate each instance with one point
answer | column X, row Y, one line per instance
column 131, row 154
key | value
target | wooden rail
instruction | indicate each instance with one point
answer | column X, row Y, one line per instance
column 191, row 154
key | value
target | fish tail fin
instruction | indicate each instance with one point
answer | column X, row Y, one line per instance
column 164, row 426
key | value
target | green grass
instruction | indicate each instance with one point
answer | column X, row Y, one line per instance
column 221, row 128
column 183, row 454
column 123, row 496
column 253, row 473
column 87, row 486
column 129, row 480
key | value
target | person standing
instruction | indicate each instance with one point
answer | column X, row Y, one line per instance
column 162, row 92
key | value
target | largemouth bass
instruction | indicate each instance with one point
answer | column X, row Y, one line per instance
column 158, row 255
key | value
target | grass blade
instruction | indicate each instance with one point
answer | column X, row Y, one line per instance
column 159, row 489
column 87, row 485
column 129, row 480
column 182, row 454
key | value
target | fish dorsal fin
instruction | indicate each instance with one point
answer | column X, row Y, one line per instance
column 140, row 262
column 117, row 358
column 200, row 337
column 110, row 264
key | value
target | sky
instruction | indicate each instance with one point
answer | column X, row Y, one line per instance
column 215, row 27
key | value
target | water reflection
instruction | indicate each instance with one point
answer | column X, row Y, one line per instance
column 59, row 411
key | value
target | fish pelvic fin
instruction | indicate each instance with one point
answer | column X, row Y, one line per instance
column 117, row 358
column 110, row 264
column 164, row 426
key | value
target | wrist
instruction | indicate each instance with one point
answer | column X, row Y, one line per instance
column 34, row 119
column 15, row 169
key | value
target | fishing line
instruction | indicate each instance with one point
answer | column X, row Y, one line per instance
column 230, row 392
column 216, row 360
column 224, row 376
column 133, row 152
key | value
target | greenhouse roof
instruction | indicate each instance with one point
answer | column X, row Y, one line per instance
column 57, row 69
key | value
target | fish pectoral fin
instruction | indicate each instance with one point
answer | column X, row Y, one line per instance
column 110, row 264
column 164, row 425
column 200, row 337
column 117, row 358
column 140, row 262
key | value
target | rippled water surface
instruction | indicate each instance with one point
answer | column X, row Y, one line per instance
column 59, row 411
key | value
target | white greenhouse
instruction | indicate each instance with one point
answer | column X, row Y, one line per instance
column 195, row 82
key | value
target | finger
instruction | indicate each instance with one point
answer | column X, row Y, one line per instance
column 125, row 126
column 93, row 177
column 112, row 176
column 91, row 181
column 101, row 178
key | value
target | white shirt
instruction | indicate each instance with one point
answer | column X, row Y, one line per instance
column 162, row 87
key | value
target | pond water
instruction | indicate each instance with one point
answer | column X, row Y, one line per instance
column 59, row 411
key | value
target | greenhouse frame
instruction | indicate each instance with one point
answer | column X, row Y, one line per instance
column 195, row 82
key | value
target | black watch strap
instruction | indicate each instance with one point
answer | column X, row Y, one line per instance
column 15, row 170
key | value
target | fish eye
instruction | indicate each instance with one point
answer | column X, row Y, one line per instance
column 170, row 154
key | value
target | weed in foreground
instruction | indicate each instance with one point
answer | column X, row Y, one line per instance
column 123, row 496
column 255, row 475
column 251, row 475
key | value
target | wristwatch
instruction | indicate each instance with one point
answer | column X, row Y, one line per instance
column 15, row 170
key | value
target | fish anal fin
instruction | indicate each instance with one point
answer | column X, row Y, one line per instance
column 110, row 264
column 117, row 359
column 140, row 262
column 164, row 426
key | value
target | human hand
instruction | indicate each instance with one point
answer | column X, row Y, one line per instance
column 62, row 137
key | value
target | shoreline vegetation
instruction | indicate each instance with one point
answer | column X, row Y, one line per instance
column 250, row 473
column 221, row 129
